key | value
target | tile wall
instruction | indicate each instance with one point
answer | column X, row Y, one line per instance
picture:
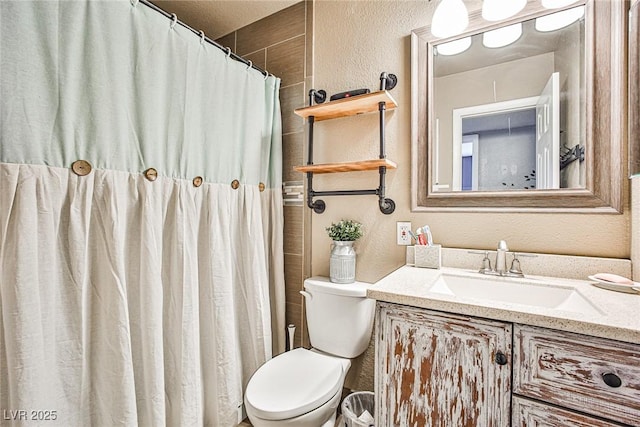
column 282, row 44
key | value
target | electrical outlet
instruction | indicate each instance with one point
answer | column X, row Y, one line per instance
column 403, row 235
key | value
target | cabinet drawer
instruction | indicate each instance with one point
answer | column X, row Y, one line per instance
column 572, row 370
column 529, row 413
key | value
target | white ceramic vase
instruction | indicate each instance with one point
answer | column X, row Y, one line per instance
column 342, row 263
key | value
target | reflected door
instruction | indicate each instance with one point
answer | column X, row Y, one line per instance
column 470, row 162
column 548, row 135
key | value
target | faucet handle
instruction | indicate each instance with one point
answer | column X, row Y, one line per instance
column 502, row 245
column 486, row 263
column 515, row 266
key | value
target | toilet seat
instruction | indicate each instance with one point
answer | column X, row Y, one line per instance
column 293, row 384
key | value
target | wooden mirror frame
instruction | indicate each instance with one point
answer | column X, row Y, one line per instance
column 634, row 88
column 606, row 24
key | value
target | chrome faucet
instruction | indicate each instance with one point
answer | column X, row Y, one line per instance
column 501, row 258
column 501, row 263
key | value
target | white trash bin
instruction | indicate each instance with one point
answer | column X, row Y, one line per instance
column 358, row 409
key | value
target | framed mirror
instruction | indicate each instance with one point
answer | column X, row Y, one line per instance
column 525, row 114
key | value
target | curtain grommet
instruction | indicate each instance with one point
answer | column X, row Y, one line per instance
column 261, row 187
column 151, row 174
column 197, row 181
column 81, row 167
column 235, row 184
column 134, row 3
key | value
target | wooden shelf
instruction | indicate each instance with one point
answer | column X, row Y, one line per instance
column 365, row 165
column 345, row 107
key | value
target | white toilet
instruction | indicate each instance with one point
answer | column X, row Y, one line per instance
column 303, row 387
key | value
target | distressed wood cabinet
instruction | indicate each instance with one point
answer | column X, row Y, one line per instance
column 438, row 369
column 595, row 376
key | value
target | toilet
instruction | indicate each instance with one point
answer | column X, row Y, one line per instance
column 303, row 387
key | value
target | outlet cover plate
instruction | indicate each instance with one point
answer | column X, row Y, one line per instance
column 403, row 237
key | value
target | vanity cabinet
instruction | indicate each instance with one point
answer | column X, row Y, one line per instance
column 596, row 376
column 439, row 369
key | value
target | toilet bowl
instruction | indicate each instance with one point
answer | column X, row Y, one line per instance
column 302, row 388
column 299, row 388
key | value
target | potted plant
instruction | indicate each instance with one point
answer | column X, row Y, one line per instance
column 342, row 262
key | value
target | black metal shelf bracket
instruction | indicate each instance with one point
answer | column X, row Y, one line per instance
column 386, row 205
column 319, row 96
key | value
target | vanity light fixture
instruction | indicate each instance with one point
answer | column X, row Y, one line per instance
column 558, row 20
column 454, row 47
column 497, row 10
column 554, row 4
column 450, row 18
column 502, row 36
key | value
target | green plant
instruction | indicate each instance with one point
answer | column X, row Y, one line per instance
column 345, row 230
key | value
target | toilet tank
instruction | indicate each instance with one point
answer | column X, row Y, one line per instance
column 339, row 316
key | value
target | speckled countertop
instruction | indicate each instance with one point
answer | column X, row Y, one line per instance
column 617, row 315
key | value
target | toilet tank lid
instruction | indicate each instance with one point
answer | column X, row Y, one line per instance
column 324, row 285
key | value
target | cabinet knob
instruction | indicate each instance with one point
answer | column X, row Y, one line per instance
column 501, row 358
column 612, row 380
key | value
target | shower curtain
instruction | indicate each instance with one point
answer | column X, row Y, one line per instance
column 141, row 266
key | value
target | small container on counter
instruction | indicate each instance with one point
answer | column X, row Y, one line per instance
column 424, row 256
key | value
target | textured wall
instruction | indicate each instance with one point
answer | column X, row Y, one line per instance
column 356, row 41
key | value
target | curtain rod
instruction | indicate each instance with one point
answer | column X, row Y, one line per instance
column 201, row 34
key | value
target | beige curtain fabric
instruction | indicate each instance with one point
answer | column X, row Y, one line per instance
column 130, row 302
column 125, row 301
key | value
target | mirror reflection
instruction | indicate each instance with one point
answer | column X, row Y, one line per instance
column 509, row 107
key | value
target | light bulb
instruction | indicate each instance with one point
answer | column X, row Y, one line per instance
column 502, row 36
column 497, row 10
column 454, row 47
column 558, row 20
column 450, row 18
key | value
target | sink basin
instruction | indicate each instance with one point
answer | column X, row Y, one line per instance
column 514, row 291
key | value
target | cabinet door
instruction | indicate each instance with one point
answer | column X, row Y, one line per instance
column 438, row 369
